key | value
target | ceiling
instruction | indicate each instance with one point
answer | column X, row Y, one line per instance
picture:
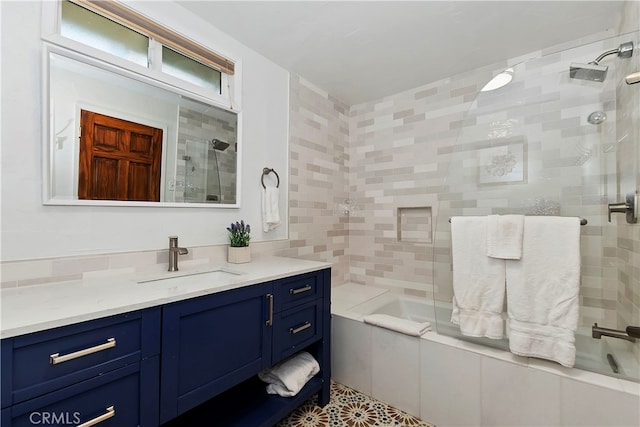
column 360, row 51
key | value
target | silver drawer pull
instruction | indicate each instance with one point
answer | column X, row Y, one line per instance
column 294, row 331
column 269, row 321
column 300, row 290
column 55, row 358
column 111, row 412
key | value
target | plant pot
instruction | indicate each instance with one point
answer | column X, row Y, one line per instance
column 239, row 255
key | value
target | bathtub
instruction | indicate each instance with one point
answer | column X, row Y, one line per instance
column 446, row 380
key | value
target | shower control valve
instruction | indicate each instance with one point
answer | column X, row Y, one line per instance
column 629, row 207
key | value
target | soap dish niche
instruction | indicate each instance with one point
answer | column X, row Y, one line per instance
column 415, row 224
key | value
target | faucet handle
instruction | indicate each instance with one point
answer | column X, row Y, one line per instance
column 616, row 208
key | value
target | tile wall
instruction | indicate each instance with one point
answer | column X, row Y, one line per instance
column 433, row 146
column 419, row 148
column 449, row 382
column 198, row 168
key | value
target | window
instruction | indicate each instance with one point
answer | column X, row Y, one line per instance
column 120, row 31
column 190, row 70
column 92, row 29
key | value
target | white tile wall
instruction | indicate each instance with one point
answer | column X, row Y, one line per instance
column 449, row 385
column 395, row 369
column 590, row 405
column 516, row 395
column 351, row 353
column 448, row 382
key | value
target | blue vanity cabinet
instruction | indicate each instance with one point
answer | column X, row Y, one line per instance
column 188, row 363
column 213, row 347
column 212, row 343
column 104, row 369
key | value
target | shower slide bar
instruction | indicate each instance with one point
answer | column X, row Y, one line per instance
column 583, row 221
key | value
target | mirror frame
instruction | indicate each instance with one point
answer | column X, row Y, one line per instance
column 48, row 144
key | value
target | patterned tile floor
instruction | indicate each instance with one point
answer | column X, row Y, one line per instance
column 349, row 408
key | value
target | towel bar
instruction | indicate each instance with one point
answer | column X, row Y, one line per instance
column 583, row 221
column 267, row 171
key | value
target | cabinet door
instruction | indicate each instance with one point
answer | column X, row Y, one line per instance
column 39, row 363
column 210, row 344
column 112, row 399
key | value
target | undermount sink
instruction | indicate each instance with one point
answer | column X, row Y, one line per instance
column 214, row 276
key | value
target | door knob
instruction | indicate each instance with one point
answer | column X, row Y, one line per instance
column 629, row 207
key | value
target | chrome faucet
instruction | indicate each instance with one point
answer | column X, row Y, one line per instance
column 174, row 251
column 629, row 335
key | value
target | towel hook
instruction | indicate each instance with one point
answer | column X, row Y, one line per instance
column 267, row 171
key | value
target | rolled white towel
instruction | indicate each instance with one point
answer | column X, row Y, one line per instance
column 405, row 326
column 288, row 377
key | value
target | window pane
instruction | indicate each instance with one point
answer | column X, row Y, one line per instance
column 97, row 31
column 190, row 70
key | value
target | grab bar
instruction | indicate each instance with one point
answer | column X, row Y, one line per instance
column 597, row 333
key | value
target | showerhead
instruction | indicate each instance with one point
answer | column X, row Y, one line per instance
column 216, row 144
column 595, row 72
column 590, row 71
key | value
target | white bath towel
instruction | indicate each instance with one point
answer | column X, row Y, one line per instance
column 288, row 377
column 478, row 280
column 542, row 290
column 270, row 210
column 405, row 326
column 504, row 236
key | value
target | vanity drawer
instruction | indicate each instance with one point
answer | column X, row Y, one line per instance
column 297, row 290
column 296, row 328
column 115, row 398
column 46, row 361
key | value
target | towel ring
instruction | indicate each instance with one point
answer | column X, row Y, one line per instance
column 267, row 171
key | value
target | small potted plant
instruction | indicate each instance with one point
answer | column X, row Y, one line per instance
column 239, row 236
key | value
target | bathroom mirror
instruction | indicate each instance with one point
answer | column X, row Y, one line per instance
column 115, row 138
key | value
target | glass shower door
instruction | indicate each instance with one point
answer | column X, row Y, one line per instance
column 547, row 144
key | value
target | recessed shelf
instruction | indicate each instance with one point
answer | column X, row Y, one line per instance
column 415, row 224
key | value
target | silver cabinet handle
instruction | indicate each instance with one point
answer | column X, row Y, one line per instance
column 300, row 290
column 269, row 321
column 111, row 412
column 294, row 331
column 55, row 358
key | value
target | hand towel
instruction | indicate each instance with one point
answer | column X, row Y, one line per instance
column 542, row 290
column 288, row 377
column 478, row 280
column 405, row 326
column 270, row 210
column 504, row 236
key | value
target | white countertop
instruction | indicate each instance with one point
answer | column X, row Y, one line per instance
column 37, row 308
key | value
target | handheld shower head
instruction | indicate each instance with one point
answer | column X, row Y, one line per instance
column 595, row 72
